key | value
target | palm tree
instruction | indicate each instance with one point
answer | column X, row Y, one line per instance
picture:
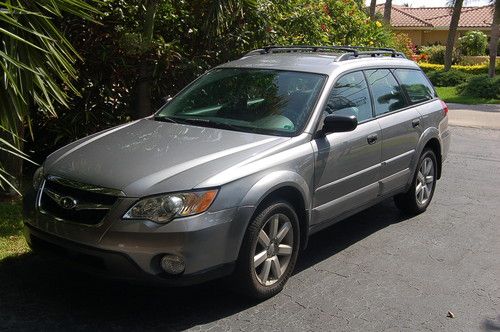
column 450, row 43
column 146, row 68
column 495, row 32
column 387, row 12
column 373, row 5
column 36, row 68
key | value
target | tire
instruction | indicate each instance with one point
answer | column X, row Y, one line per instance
column 418, row 197
column 251, row 279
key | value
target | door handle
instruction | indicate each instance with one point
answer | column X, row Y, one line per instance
column 415, row 123
column 371, row 139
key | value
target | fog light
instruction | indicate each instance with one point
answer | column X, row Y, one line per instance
column 172, row 264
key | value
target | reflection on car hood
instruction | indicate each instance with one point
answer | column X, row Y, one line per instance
column 147, row 157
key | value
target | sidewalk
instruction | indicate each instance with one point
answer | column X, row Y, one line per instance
column 476, row 116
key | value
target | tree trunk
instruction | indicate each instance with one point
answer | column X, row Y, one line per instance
column 373, row 4
column 143, row 87
column 387, row 12
column 495, row 34
column 455, row 18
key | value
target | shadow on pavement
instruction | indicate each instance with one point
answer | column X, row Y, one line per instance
column 36, row 293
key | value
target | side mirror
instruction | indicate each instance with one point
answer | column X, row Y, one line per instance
column 339, row 123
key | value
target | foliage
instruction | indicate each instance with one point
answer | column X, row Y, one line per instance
column 190, row 38
column 473, row 70
column 402, row 42
column 448, row 78
column 36, row 65
column 449, row 94
column 326, row 22
column 11, row 239
column 473, row 43
column 435, row 54
column 480, row 86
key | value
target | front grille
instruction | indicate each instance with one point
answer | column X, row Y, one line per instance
column 90, row 208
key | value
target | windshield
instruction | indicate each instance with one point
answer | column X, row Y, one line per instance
column 263, row 101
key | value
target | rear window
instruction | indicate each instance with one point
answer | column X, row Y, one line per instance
column 415, row 84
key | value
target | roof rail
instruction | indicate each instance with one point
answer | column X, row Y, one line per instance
column 348, row 52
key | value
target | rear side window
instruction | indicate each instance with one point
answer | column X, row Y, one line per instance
column 415, row 84
column 350, row 96
column 386, row 91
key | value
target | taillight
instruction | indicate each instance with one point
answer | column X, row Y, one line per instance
column 445, row 107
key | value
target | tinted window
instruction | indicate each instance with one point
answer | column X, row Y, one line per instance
column 255, row 100
column 415, row 84
column 386, row 91
column 350, row 96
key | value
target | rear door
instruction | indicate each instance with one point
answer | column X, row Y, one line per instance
column 347, row 166
column 400, row 124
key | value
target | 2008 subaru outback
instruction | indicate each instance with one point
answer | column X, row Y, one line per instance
column 234, row 173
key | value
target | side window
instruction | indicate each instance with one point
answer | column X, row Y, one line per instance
column 387, row 94
column 415, row 84
column 350, row 96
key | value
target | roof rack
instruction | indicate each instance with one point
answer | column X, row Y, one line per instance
column 348, row 52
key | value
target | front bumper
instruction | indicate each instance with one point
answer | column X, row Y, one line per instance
column 209, row 243
column 112, row 264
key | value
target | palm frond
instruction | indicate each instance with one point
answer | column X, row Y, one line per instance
column 36, row 64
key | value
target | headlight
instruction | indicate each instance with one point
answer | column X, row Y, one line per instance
column 164, row 208
column 37, row 178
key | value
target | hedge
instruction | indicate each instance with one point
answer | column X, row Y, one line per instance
column 473, row 70
column 448, row 78
column 480, row 86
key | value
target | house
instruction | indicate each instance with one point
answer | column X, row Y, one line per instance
column 430, row 25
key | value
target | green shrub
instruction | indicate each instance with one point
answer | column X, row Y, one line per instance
column 480, row 86
column 473, row 43
column 448, row 78
column 435, row 54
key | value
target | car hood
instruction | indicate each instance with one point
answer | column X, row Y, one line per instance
column 146, row 157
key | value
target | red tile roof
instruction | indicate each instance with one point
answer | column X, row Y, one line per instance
column 439, row 17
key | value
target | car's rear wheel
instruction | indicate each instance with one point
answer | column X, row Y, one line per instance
column 269, row 251
column 419, row 195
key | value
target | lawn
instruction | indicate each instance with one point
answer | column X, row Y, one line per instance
column 11, row 239
column 449, row 95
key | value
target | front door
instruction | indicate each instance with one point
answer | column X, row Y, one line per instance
column 347, row 168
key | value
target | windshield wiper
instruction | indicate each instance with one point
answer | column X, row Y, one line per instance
column 165, row 119
column 215, row 124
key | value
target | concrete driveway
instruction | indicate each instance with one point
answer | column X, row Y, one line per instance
column 476, row 116
column 376, row 271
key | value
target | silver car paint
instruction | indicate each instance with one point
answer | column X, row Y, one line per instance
column 335, row 175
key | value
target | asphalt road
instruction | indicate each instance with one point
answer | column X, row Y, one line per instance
column 376, row 271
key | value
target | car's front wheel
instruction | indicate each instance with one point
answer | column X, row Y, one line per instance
column 269, row 251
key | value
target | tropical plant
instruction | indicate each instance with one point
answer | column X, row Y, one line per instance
column 452, row 33
column 473, row 43
column 189, row 38
column 36, row 66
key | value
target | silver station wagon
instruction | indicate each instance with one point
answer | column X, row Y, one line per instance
column 233, row 174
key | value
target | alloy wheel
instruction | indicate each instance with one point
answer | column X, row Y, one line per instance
column 273, row 249
column 425, row 181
